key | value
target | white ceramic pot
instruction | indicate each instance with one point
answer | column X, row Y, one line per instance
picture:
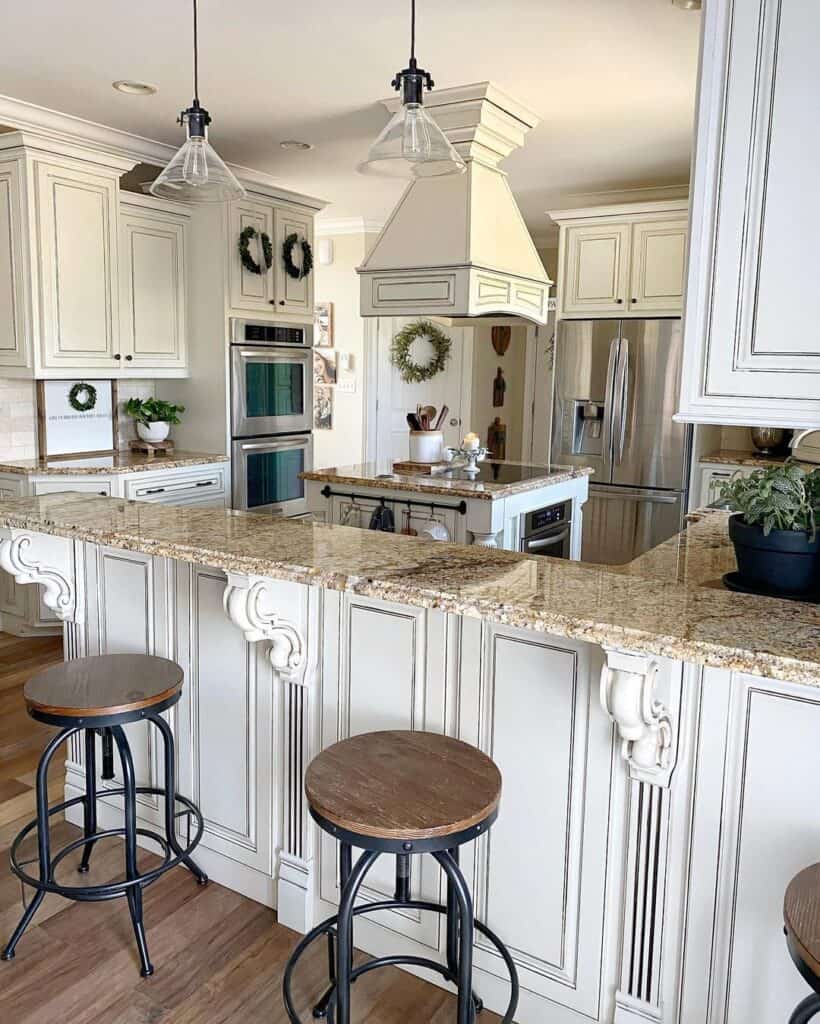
column 426, row 446
column 153, row 432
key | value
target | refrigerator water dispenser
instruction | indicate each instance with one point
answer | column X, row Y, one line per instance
column 585, row 433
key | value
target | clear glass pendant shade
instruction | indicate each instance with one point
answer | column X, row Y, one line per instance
column 412, row 146
column 197, row 174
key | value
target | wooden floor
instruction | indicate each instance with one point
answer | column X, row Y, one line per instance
column 218, row 957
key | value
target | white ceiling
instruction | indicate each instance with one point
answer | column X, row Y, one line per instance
column 612, row 80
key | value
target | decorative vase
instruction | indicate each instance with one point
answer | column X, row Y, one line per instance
column 786, row 561
column 153, row 432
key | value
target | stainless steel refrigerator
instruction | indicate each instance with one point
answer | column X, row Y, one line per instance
column 616, row 387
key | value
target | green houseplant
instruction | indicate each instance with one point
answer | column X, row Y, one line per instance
column 775, row 533
column 153, row 417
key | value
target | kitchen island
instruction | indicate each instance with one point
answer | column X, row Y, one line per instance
column 655, row 733
column 488, row 506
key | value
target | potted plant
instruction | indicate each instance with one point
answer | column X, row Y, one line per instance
column 153, row 417
column 775, row 531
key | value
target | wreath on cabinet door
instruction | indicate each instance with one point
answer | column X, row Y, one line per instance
column 292, row 269
column 412, row 372
column 248, row 262
column 88, row 400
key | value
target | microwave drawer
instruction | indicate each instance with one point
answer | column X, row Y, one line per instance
column 181, row 488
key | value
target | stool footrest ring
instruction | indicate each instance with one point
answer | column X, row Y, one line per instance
column 112, row 889
column 388, row 961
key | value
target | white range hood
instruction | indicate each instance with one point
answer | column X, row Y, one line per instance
column 457, row 245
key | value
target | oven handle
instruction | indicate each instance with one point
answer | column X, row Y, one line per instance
column 545, row 542
column 270, row 354
column 272, row 445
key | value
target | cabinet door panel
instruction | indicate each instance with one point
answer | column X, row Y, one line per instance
column 249, row 291
column 13, row 350
column 293, row 295
column 752, row 357
column 658, row 258
column 596, row 269
column 78, row 247
column 153, row 291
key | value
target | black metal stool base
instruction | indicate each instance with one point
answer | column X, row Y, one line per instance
column 457, row 970
column 173, row 853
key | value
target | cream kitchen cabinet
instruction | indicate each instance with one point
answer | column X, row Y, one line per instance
column 711, row 478
column 752, row 352
column 92, row 280
column 625, row 260
column 273, row 292
column 153, row 285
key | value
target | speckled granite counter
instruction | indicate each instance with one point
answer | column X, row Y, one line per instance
column 123, row 461
column 746, row 457
column 495, row 479
column 669, row 602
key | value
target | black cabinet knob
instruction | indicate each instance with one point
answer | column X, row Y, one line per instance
column 117, row 355
column 272, row 301
column 281, row 302
column 619, row 301
column 128, row 359
column 633, row 300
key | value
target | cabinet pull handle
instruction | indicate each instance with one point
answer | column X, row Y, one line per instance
column 204, row 483
column 103, row 494
column 154, row 490
column 619, row 301
column 634, row 302
column 272, row 301
column 281, row 302
column 128, row 359
column 117, row 355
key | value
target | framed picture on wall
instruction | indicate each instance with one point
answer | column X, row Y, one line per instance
column 323, row 324
column 324, row 367
column 76, row 417
column 323, row 408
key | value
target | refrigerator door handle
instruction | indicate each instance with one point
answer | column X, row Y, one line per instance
column 609, row 400
column 627, row 494
column 621, row 399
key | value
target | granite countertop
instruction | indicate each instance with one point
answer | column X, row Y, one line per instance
column 123, row 461
column 669, row 602
column 744, row 457
column 494, row 482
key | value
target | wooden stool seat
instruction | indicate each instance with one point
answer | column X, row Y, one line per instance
column 403, row 785
column 801, row 916
column 111, row 684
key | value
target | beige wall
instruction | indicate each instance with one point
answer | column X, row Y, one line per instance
column 549, row 257
column 339, row 283
column 485, row 365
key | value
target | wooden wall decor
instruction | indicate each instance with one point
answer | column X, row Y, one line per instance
column 501, row 339
column 499, row 388
column 497, row 439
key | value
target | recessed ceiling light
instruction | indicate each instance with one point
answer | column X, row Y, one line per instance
column 295, row 144
column 134, row 88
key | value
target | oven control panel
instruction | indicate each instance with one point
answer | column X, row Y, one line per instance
column 546, row 517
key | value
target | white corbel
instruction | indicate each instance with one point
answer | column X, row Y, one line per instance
column 628, row 683
column 247, row 601
column 47, row 560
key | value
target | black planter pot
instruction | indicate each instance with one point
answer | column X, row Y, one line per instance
column 786, row 561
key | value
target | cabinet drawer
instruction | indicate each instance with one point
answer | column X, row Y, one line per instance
column 203, row 487
column 62, row 483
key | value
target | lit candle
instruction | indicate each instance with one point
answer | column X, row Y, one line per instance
column 471, row 441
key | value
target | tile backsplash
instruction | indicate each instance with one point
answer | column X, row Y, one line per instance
column 18, row 420
column 18, row 416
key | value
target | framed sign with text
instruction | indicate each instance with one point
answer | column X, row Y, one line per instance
column 76, row 417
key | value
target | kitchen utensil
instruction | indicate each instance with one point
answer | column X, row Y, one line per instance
column 407, row 528
column 435, row 529
column 413, row 422
column 429, row 411
column 441, row 417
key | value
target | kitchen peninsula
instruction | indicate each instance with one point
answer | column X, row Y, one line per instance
column 489, row 506
column 644, row 852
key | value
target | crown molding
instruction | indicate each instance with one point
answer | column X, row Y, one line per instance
column 347, row 226
column 46, row 125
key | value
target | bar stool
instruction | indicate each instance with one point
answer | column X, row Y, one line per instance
column 101, row 695
column 405, row 794
column 801, row 916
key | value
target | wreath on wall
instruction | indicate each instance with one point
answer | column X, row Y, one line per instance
column 410, row 371
column 248, row 262
column 82, row 397
column 287, row 256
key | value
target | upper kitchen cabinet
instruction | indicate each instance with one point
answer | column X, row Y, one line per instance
column 625, row 260
column 92, row 280
column 153, row 286
column 752, row 350
column 271, row 291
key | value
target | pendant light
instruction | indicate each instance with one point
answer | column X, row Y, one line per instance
column 196, row 173
column 412, row 145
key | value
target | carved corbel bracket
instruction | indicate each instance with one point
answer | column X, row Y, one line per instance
column 247, row 602
column 53, row 568
column 644, row 724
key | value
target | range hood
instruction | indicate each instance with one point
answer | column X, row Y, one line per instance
column 457, row 246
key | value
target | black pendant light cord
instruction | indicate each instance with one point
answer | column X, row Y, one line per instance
column 197, row 56
column 412, row 33
column 412, row 80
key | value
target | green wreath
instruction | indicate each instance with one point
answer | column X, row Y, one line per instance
column 414, row 373
column 82, row 404
column 287, row 256
column 248, row 262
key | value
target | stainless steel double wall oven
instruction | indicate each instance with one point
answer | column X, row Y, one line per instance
column 271, row 414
